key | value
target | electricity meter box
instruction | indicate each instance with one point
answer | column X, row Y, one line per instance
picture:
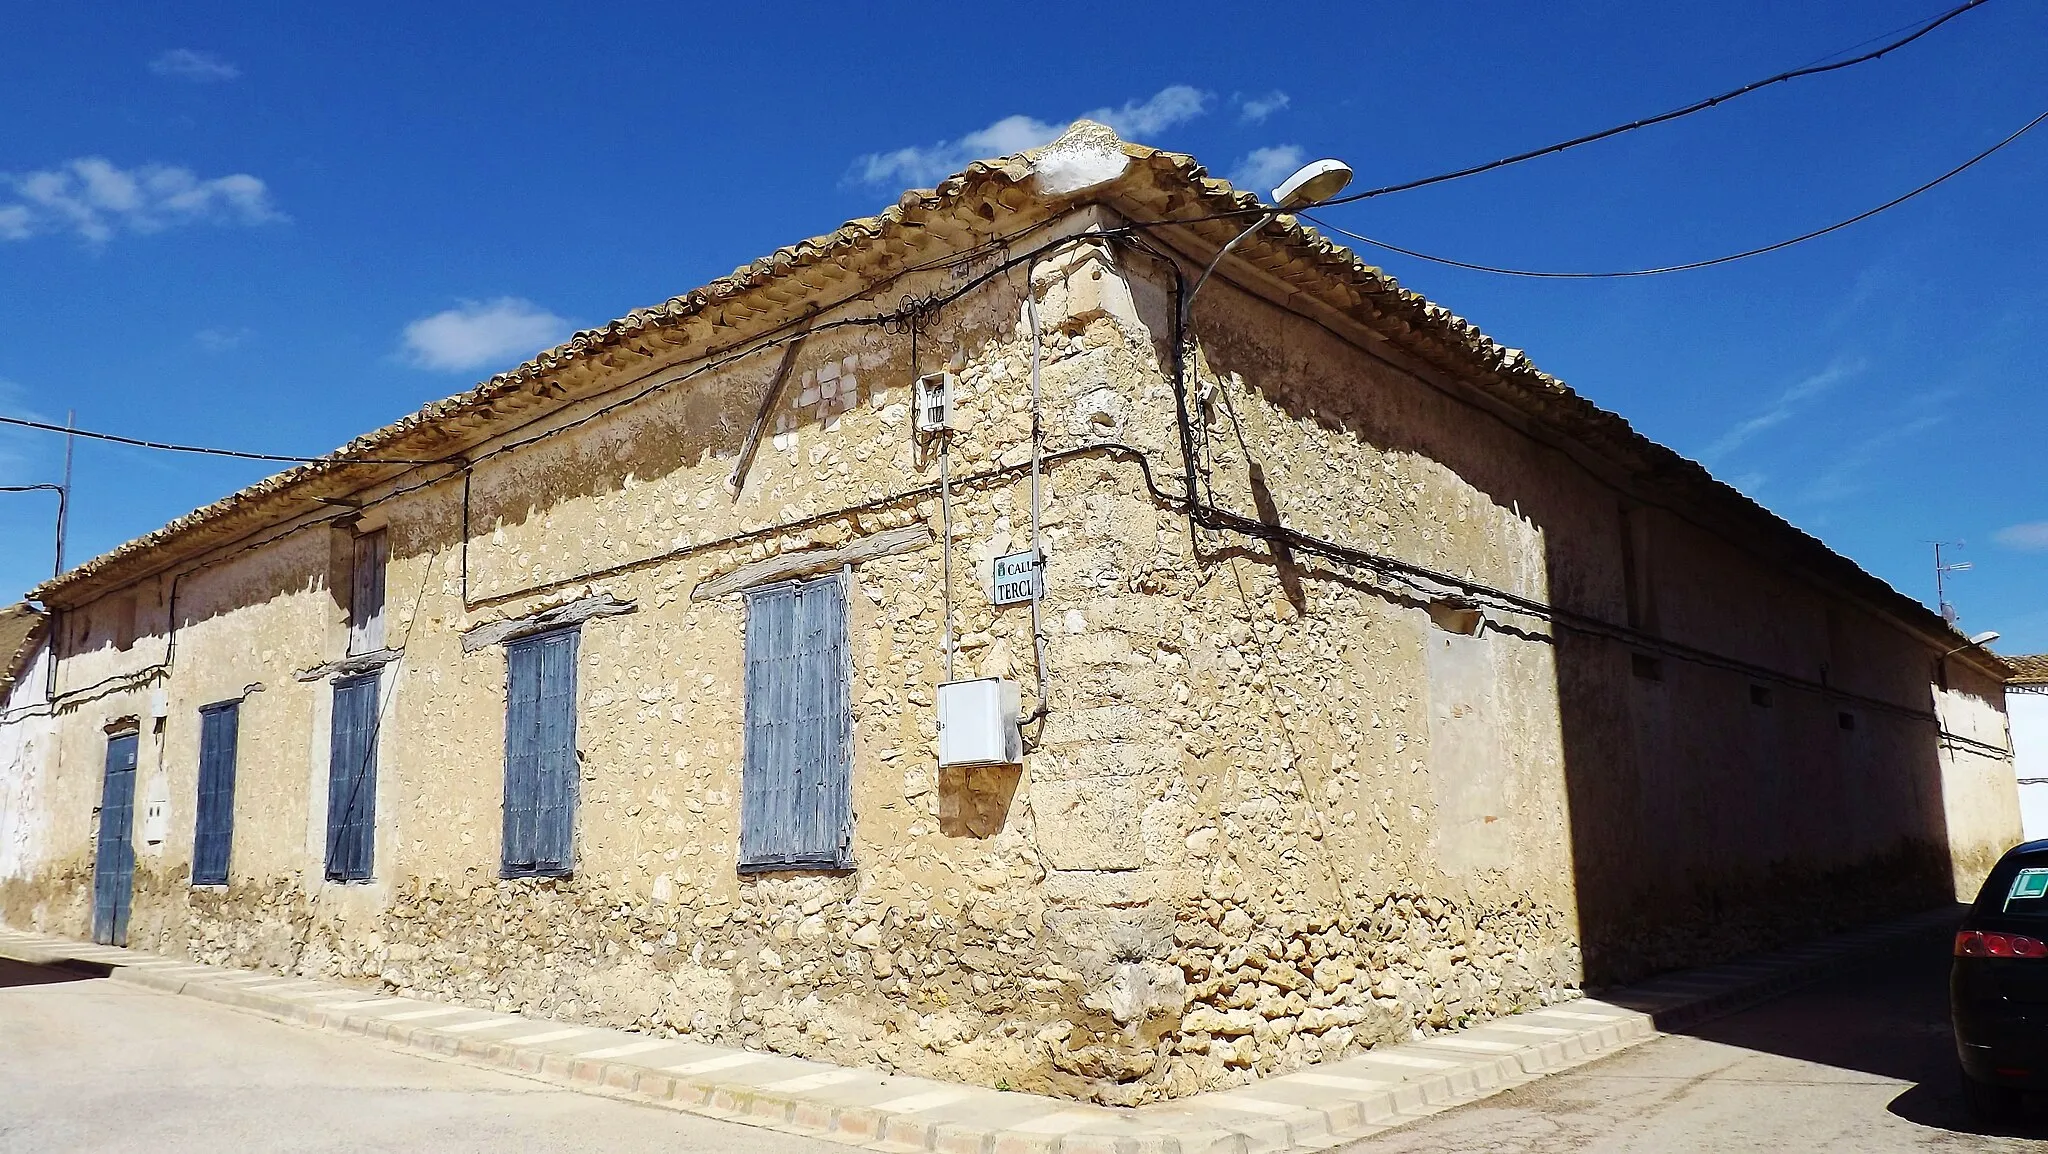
column 978, row 723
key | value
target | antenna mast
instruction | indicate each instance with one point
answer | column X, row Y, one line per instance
column 1941, row 572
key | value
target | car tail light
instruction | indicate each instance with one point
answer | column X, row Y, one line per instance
column 1986, row 944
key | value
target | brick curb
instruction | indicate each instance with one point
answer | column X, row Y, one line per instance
column 1345, row 1100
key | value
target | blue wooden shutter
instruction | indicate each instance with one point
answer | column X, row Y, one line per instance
column 540, row 755
column 352, row 780
column 795, row 797
column 366, row 593
column 219, row 725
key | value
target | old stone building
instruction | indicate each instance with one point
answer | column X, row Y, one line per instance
column 1377, row 681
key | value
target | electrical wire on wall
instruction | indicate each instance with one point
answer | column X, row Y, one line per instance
column 1392, row 575
column 944, row 437
column 1037, row 536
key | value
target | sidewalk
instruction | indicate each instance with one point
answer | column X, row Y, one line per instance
column 1318, row 1107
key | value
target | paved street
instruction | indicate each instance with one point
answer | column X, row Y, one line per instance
column 1860, row 1065
column 91, row 1065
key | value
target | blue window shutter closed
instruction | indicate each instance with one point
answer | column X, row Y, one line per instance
column 352, row 780
column 795, row 788
column 540, row 755
column 219, row 725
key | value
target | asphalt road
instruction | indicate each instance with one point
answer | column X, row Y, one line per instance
column 1863, row 1063
column 90, row 1065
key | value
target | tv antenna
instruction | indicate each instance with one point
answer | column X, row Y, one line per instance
column 1941, row 571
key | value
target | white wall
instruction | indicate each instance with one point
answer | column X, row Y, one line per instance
column 2029, row 712
column 25, row 742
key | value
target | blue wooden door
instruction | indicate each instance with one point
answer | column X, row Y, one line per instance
column 113, row 871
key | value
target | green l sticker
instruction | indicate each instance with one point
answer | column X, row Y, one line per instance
column 2032, row 883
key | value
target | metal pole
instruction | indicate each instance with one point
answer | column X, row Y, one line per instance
column 1940, row 590
column 64, row 495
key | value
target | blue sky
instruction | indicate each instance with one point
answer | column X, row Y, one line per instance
column 274, row 228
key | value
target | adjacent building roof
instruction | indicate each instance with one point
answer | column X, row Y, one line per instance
column 983, row 203
column 21, row 628
column 2028, row 669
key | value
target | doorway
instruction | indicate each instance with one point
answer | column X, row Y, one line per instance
column 113, row 871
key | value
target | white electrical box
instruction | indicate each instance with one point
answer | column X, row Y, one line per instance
column 156, row 812
column 978, row 723
column 933, row 399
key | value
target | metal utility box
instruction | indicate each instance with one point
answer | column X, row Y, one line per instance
column 933, row 401
column 978, row 723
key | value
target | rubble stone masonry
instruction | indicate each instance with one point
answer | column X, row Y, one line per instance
column 1280, row 807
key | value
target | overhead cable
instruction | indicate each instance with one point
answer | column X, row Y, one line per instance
column 1663, row 117
column 1618, row 129
column 199, row 449
column 1689, row 265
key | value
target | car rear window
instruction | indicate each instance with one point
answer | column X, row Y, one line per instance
column 2017, row 888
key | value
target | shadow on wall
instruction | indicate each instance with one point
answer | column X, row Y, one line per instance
column 1709, row 820
column 1715, row 807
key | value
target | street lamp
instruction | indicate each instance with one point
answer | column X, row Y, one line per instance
column 1941, row 662
column 1984, row 638
column 1312, row 183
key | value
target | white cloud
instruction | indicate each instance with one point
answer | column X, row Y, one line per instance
column 16, row 446
column 220, row 340
column 927, row 164
column 1255, row 109
column 1784, row 406
column 2027, row 537
column 96, row 199
column 1843, row 477
column 1265, row 167
column 1174, row 104
column 185, row 64
column 478, row 333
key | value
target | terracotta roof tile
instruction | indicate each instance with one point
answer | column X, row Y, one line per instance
column 21, row 626
column 1154, row 186
column 2028, row 669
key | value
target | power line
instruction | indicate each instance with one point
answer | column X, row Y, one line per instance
column 1698, row 264
column 1871, row 40
column 1459, row 174
column 1617, row 130
column 1663, row 117
column 199, row 449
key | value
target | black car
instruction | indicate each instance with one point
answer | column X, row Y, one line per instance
column 1998, row 986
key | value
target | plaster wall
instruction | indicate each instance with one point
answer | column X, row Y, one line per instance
column 2028, row 708
column 26, row 734
column 1984, row 818
column 1731, row 753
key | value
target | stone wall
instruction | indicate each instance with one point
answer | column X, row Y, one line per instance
column 1280, row 807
